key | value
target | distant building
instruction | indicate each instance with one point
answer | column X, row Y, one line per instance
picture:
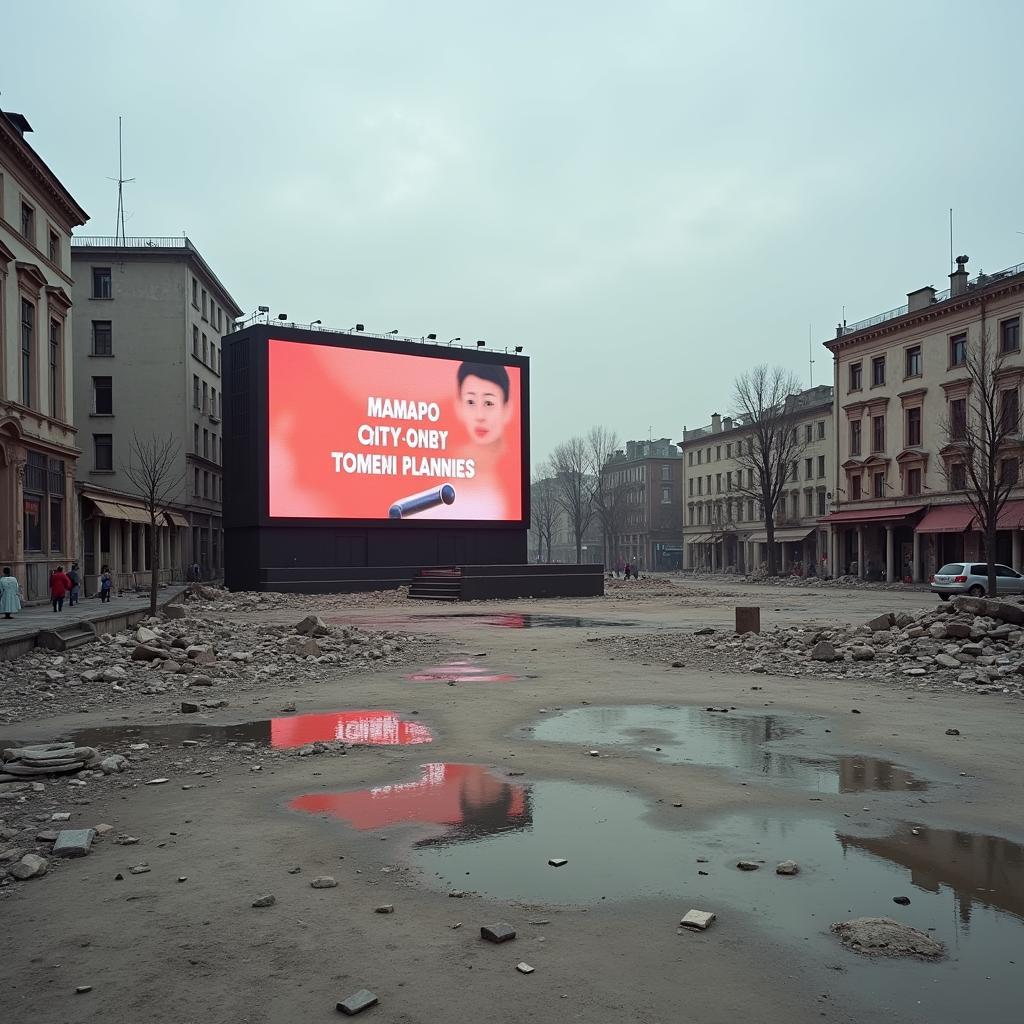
column 900, row 380
column 551, row 537
column 38, row 447
column 725, row 529
column 642, row 493
column 150, row 314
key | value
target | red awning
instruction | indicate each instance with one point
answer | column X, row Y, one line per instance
column 946, row 519
column 1011, row 517
column 872, row 515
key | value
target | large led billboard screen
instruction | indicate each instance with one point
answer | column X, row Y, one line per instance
column 364, row 434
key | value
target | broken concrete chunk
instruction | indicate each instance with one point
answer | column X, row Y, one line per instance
column 557, row 862
column 385, row 908
column 787, row 867
column 497, row 932
column 882, row 936
column 524, row 968
column 263, row 901
column 73, row 842
column 323, row 882
column 31, row 865
column 747, row 865
column 699, row 920
column 312, row 625
column 357, row 1002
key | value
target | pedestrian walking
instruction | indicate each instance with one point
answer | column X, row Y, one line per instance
column 75, row 575
column 59, row 586
column 105, row 585
column 10, row 593
column 626, row 571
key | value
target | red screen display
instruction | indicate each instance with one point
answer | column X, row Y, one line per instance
column 358, row 434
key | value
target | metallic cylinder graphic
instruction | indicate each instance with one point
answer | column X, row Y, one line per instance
column 443, row 495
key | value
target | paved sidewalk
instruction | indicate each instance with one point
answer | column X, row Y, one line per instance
column 30, row 621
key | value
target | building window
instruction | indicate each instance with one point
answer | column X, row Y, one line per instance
column 878, row 433
column 28, row 223
column 206, row 444
column 855, row 487
column 750, row 509
column 103, row 452
column 213, row 446
column 1010, row 411
column 665, row 471
column 914, row 427
column 195, row 341
column 794, row 505
column 102, row 285
column 1009, row 335
column 204, row 305
column 102, row 338
column 56, row 524
column 821, row 466
column 808, row 433
column 195, row 391
column 728, row 451
column 666, row 496
column 794, row 470
column 808, row 468
column 53, row 248
column 195, row 293
column 206, row 483
column 809, row 503
column 56, row 377
column 821, row 429
column 855, row 432
column 958, row 476
column 957, row 419
column 821, row 503
column 196, row 488
column 878, row 371
column 28, row 330
column 689, row 458
column 856, row 376
column 103, row 396
column 878, row 485
column 913, row 481
column 32, row 510
column 1009, row 471
column 913, row 359
column 718, row 483
column 195, row 438
column 206, row 397
column 699, row 453
column 691, row 487
column 958, row 350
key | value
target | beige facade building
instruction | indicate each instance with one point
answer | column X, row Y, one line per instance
column 724, row 529
column 38, row 448
column 150, row 315
column 900, row 378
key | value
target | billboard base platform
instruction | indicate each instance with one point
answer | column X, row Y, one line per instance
column 451, row 583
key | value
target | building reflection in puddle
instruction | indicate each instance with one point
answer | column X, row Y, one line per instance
column 979, row 869
column 463, row 671
column 749, row 742
column 370, row 728
column 459, row 802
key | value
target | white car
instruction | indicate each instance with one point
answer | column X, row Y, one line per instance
column 972, row 578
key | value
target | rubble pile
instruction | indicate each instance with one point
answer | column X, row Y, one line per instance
column 45, row 759
column 970, row 644
column 196, row 655
column 222, row 600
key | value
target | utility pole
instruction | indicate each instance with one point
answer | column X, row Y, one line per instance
column 119, row 232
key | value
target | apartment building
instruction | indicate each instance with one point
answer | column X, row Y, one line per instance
column 38, row 447
column 724, row 529
column 900, row 379
column 150, row 315
column 643, row 489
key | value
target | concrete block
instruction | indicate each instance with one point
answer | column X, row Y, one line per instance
column 748, row 620
column 497, row 932
column 73, row 842
column 357, row 1002
column 699, row 920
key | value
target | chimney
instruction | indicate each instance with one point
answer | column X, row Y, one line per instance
column 920, row 299
column 716, row 423
column 958, row 279
column 727, row 423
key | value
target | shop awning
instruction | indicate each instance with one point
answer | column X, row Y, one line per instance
column 784, row 534
column 107, row 509
column 1011, row 517
column 133, row 513
column 871, row 515
column 701, row 539
column 176, row 519
column 946, row 519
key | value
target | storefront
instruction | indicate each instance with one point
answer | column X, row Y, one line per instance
column 876, row 543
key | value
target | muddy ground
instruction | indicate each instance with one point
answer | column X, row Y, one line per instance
column 603, row 939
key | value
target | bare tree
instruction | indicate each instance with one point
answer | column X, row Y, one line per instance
column 982, row 454
column 153, row 471
column 574, row 487
column 609, row 499
column 766, row 402
column 543, row 509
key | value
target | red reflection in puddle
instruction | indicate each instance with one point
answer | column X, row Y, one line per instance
column 374, row 728
column 464, row 671
column 467, row 800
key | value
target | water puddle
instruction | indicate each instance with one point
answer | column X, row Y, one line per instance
column 750, row 743
column 500, row 620
column 493, row 837
column 461, row 671
column 453, row 802
column 371, row 728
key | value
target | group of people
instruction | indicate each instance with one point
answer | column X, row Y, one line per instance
column 627, row 569
column 63, row 586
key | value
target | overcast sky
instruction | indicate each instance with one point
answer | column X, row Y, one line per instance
column 648, row 197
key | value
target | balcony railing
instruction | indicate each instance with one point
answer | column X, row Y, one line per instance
column 982, row 280
column 132, row 242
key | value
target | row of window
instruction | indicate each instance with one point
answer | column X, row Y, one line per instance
column 812, row 431
column 211, row 445
column 1009, row 472
column 205, row 398
column 207, row 351
column 212, row 485
column 1009, row 342
column 55, row 361
column 208, row 309
column 28, row 231
column 740, row 510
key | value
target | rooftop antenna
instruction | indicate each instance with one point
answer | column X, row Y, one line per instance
column 951, row 267
column 810, row 358
column 119, row 235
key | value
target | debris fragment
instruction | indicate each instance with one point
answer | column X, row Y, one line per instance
column 497, row 932
column 357, row 1002
column 699, row 920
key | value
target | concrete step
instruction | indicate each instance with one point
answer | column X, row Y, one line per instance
column 66, row 638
